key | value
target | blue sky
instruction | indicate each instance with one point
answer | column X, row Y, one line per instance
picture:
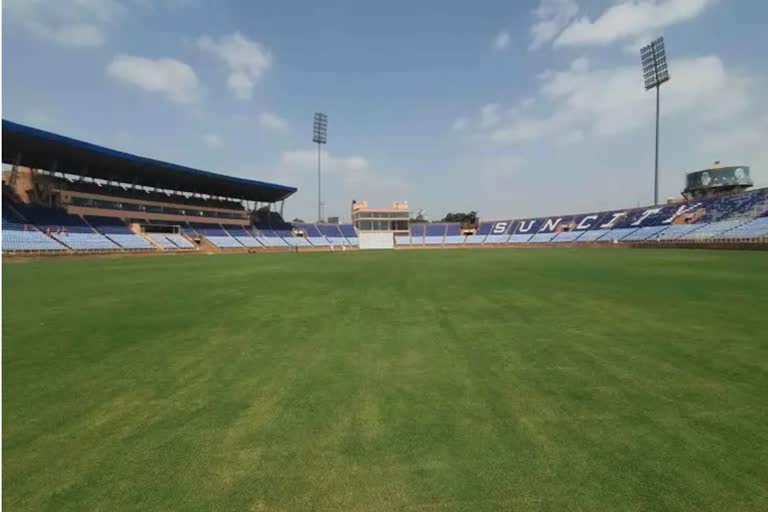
column 509, row 108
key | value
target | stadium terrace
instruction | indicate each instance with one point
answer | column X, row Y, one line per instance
column 39, row 149
column 65, row 196
column 738, row 217
column 68, row 196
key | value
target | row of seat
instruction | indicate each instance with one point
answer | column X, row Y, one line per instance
column 53, row 229
column 27, row 238
column 62, row 231
column 19, row 237
column 733, row 229
column 238, row 237
column 170, row 241
column 275, row 235
column 738, row 208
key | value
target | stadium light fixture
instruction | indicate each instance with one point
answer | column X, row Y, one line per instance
column 655, row 73
column 320, row 137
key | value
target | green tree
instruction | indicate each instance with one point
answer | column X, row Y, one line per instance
column 419, row 218
column 468, row 218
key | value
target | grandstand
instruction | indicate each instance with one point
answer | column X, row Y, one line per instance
column 65, row 196
column 720, row 219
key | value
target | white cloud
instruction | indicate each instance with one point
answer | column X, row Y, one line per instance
column 460, row 124
column 501, row 41
column 610, row 101
column 350, row 167
column 83, row 23
column 170, row 78
column 630, row 20
column 580, row 65
column 345, row 177
column 730, row 142
column 272, row 122
column 573, row 137
column 741, row 143
column 520, row 107
column 246, row 60
column 494, row 167
column 551, row 17
column 530, row 129
column 489, row 115
column 213, row 140
column 80, row 34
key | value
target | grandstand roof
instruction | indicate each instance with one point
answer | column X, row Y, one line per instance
column 40, row 149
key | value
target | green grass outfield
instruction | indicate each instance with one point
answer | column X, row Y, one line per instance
column 591, row 380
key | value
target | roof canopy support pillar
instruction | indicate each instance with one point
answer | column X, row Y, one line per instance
column 15, row 169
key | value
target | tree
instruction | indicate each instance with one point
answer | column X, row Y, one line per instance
column 419, row 218
column 462, row 218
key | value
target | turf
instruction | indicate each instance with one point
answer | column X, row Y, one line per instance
column 415, row 380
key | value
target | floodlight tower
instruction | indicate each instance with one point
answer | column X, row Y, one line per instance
column 320, row 137
column 655, row 73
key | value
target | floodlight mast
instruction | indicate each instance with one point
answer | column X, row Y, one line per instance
column 655, row 73
column 319, row 137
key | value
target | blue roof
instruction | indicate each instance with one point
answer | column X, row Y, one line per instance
column 39, row 149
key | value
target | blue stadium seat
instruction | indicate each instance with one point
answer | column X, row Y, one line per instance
column 592, row 235
column 162, row 241
column 678, row 230
column 318, row 241
column 26, row 238
column 242, row 236
column 757, row 228
column 235, row 230
column 644, row 233
column 348, row 231
column 330, row 231
column 618, row 234
column 209, row 230
column 224, row 242
column 70, row 230
column 117, row 231
column 85, row 241
column 180, row 241
column 309, row 230
column 218, row 236
column 453, row 229
column 712, row 229
column 249, row 241
column 130, row 241
column 297, row 241
column 338, row 241
column 517, row 239
column 484, row 228
column 417, row 233
column 541, row 237
column 475, row 239
column 567, row 236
